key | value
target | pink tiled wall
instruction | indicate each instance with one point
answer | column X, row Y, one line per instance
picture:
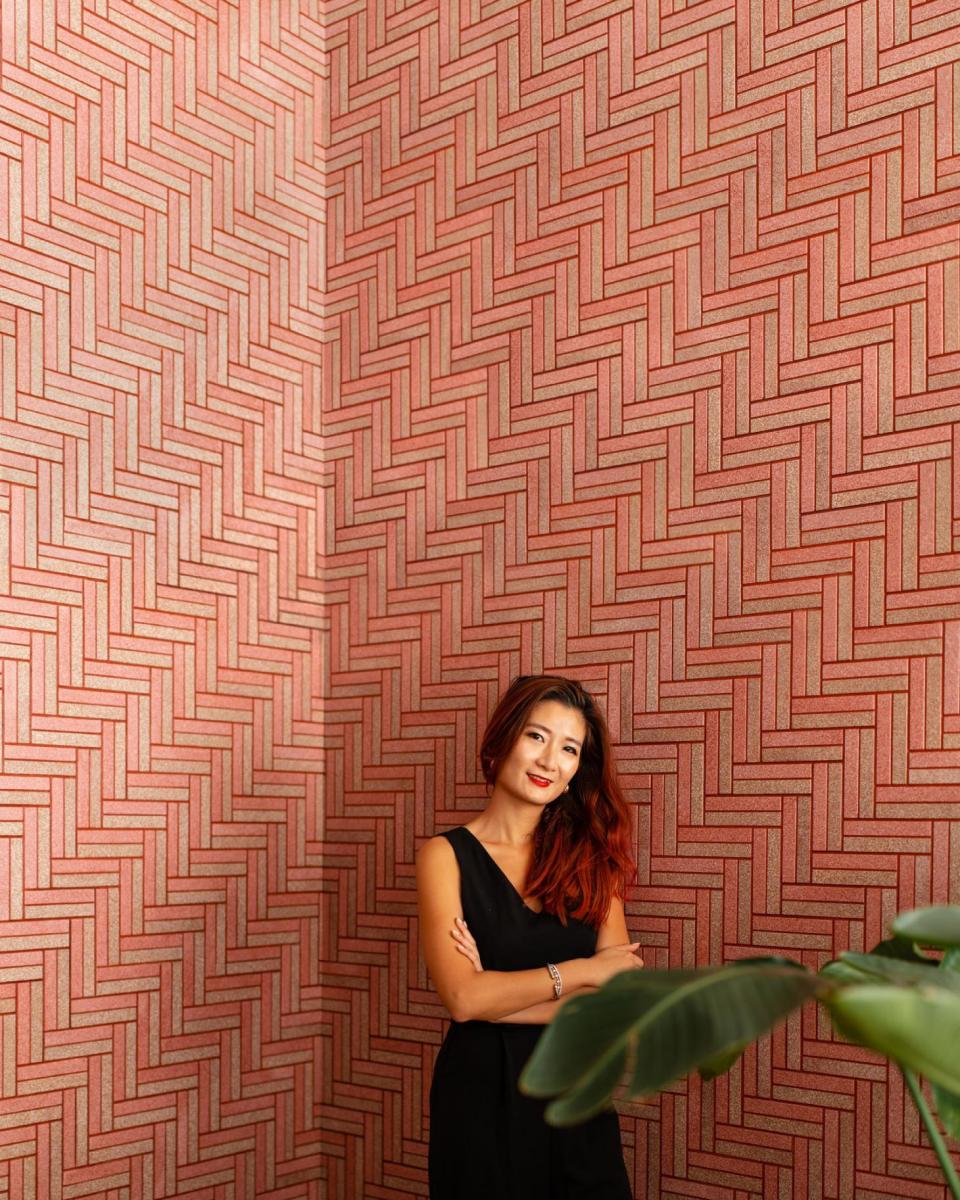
column 161, row 513
column 637, row 333
column 642, row 365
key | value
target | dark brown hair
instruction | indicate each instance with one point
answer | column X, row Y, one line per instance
column 581, row 849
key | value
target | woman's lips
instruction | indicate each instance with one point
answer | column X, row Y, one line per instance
column 538, row 780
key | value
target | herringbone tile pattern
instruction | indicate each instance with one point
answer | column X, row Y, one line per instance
column 161, row 509
column 642, row 366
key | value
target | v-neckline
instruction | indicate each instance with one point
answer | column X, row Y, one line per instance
column 509, row 882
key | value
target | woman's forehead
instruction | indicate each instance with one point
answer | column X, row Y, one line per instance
column 558, row 718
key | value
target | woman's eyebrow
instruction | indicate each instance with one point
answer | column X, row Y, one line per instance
column 547, row 729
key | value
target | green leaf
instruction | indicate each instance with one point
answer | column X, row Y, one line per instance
column 569, row 1049
column 898, row 948
column 594, row 1096
column 773, row 960
column 722, row 1063
column 951, row 960
column 906, row 973
column 674, row 1022
column 918, row 1027
column 709, row 1017
column 948, row 1109
column 937, row 926
column 948, row 1103
column 842, row 972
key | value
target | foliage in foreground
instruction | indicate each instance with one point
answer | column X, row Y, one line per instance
column 650, row 1028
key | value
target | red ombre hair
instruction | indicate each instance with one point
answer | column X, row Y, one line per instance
column 581, row 847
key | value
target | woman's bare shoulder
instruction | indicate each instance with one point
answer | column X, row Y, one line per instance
column 438, row 873
column 436, row 852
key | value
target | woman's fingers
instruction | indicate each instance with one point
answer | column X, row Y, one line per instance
column 614, row 959
column 471, row 954
column 636, row 960
column 467, row 953
column 461, row 931
column 465, row 942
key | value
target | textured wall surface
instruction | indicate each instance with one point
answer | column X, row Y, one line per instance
column 161, row 237
column 643, row 366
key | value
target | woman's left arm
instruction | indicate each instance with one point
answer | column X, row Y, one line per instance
column 613, row 932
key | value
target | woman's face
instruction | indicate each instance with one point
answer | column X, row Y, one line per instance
column 546, row 755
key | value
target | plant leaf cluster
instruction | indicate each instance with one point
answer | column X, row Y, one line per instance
column 647, row 1029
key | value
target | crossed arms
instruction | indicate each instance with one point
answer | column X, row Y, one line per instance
column 470, row 993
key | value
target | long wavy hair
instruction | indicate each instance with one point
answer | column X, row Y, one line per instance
column 582, row 845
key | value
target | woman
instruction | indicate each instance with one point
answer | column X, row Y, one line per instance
column 520, row 910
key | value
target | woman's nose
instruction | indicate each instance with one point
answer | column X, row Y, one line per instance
column 546, row 757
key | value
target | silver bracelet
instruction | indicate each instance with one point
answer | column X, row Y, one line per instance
column 557, row 981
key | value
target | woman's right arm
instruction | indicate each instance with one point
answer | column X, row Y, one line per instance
column 470, row 995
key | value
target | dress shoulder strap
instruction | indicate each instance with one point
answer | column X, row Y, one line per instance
column 459, row 839
column 472, row 859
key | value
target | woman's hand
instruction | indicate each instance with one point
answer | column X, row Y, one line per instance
column 465, row 943
column 614, row 959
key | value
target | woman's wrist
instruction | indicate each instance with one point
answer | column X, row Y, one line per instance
column 576, row 974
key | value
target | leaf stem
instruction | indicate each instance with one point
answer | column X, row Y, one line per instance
column 933, row 1133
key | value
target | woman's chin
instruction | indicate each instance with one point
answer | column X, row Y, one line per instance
column 542, row 796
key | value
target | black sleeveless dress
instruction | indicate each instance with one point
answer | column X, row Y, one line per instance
column 487, row 1141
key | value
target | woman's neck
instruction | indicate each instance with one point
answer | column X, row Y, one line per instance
column 508, row 823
